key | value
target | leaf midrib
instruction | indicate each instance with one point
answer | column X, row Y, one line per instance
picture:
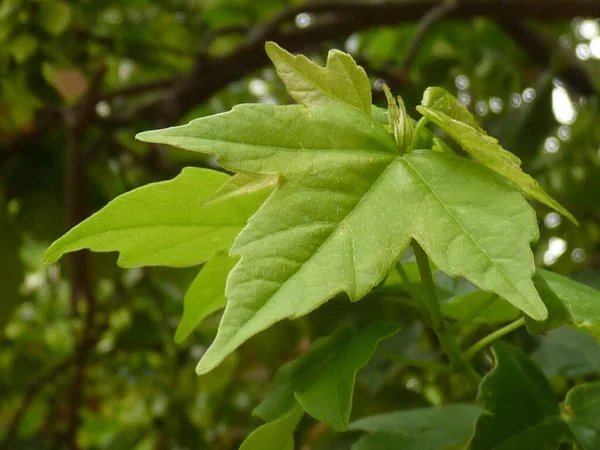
column 353, row 151
column 325, row 241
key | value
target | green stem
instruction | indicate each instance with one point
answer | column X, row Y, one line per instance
column 412, row 362
column 416, row 295
column 421, row 136
column 484, row 342
column 432, row 304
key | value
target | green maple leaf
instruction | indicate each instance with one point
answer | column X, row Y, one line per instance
column 322, row 379
column 434, row 428
column 277, row 434
column 521, row 409
column 446, row 112
column 178, row 223
column 345, row 208
column 341, row 81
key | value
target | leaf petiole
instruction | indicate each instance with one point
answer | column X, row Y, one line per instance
column 432, row 304
column 422, row 137
column 485, row 341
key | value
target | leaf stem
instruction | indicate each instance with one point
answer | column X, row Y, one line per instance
column 411, row 362
column 485, row 341
column 432, row 304
column 417, row 296
column 421, row 136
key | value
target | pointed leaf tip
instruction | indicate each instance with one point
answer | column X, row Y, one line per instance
column 340, row 81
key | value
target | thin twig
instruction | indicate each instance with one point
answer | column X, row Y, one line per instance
column 35, row 387
column 429, row 20
column 30, row 393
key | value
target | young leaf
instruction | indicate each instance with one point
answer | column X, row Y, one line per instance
column 322, row 379
column 479, row 307
column 446, row 112
column 346, row 208
column 434, row 428
column 582, row 411
column 275, row 435
column 568, row 303
column 340, row 81
column 399, row 121
column 164, row 223
column 206, row 294
column 522, row 411
column 567, row 352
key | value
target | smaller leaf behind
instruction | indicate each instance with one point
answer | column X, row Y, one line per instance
column 479, row 307
column 322, row 379
column 165, row 223
column 340, row 81
column 446, row 112
column 275, row 435
column 417, row 429
column 568, row 303
column 206, row 294
column 582, row 411
column 522, row 412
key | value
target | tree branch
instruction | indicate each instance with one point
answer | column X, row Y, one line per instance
column 429, row 20
column 334, row 20
column 76, row 120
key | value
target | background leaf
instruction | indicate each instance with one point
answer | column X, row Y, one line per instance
column 522, row 411
column 479, row 307
column 275, row 435
column 582, row 408
column 434, row 428
column 55, row 16
column 568, row 302
column 322, row 379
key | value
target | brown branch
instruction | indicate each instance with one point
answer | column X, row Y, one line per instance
column 35, row 387
column 76, row 120
column 141, row 88
column 543, row 49
column 429, row 20
column 334, row 20
column 30, row 393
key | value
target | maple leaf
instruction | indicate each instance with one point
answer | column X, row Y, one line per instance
column 345, row 208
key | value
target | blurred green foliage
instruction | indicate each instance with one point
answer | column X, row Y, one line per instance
column 116, row 65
